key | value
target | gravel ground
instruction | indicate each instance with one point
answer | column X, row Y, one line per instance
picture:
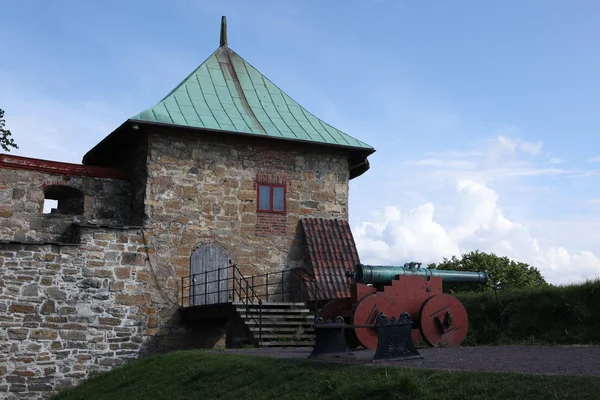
column 563, row 360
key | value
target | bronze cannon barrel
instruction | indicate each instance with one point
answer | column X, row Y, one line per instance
column 378, row 274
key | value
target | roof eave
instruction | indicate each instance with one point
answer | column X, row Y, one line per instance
column 359, row 163
column 370, row 150
column 87, row 156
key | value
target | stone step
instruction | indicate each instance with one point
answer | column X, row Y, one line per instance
column 274, row 321
column 281, row 329
column 256, row 315
column 299, row 333
column 279, row 322
column 288, row 336
column 272, row 310
column 272, row 304
column 307, row 344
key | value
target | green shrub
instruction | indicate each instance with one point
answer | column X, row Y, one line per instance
column 543, row 315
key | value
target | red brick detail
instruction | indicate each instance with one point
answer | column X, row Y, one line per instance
column 271, row 224
column 271, row 179
column 60, row 168
column 332, row 252
column 277, row 160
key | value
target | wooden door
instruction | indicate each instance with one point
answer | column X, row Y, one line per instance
column 209, row 267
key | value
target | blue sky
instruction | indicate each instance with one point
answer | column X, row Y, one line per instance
column 484, row 114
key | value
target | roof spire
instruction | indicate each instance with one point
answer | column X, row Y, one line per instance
column 223, row 31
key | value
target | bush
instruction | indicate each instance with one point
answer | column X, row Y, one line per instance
column 543, row 315
column 511, row 274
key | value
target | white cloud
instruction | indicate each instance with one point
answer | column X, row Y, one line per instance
column 594, row 159
column 396, row 236
column 498, row 159
column 518, row 144
column 436, row 162
column 459, row 210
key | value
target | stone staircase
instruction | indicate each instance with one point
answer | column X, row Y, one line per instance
column 281, row 325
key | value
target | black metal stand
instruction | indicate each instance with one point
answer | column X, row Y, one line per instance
column 329, row 337
column 394, row 339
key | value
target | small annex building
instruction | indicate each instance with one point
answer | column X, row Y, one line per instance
column 224, row 193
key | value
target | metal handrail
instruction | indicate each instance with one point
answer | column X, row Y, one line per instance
column 268, row 283
column 314, row 283
column 249, row 299
column 232, row 290
column 247, row 289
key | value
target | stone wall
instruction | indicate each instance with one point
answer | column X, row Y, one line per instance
column 205, row 189
column 67, row 311
column 22, row 199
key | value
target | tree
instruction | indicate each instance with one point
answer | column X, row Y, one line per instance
column 5, row 139
column 511, row 274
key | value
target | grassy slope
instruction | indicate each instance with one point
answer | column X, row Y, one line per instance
column 551, row 315
column 202, row 375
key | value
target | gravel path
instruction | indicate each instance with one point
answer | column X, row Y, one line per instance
column 563, row 360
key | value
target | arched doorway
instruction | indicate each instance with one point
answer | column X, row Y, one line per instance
column 209, row 267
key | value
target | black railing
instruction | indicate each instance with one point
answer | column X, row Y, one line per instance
column 248, row 299
column 313, row 290
column 221, row 286
column 228, row 284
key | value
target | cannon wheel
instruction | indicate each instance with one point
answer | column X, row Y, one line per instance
column 335, row 308
column 366, row 312
column 444, row 321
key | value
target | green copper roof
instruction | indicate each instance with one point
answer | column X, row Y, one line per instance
column 226, row 93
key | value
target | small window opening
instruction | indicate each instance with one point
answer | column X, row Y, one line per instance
column 271, row 198
column 63, row 200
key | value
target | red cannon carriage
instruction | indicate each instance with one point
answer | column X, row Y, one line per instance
column 438, row 318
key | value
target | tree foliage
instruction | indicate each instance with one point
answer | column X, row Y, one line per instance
column 5, row 140
column 509, row 273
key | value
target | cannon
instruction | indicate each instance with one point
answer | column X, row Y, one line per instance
column 437, row 318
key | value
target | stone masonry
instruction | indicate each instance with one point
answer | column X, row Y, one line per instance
column 204, row 190
column 67, row 311
column 22, row 199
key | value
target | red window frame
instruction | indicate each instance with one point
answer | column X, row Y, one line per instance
column 271, row 191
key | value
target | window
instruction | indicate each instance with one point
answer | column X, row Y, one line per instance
column 67, row 200
column 271, row 198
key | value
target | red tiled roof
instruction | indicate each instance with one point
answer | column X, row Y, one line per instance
column 332, row 252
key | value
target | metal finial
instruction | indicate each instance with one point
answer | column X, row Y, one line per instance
column 223, row 31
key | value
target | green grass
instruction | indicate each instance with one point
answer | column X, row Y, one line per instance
column 548, row 315
column 204, row 375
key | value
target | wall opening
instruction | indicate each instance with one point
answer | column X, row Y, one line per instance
column 68, row 200
column 49, row 205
